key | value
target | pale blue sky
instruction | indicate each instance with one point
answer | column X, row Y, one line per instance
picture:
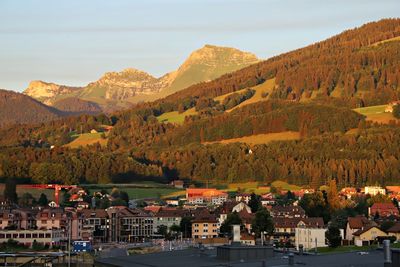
column 74, row 42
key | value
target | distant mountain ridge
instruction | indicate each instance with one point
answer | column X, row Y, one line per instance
column 132, row 85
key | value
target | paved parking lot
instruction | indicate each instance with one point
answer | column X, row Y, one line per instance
column 194, row 258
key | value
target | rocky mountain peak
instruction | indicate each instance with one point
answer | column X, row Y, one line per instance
column 44, row 91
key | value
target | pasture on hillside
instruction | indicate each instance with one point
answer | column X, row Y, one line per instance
column 175, row 116
column 87, row 139
column 260, row 138
column 376, row 114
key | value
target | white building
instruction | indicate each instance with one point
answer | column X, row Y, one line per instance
column 374, row 190
column 243, row 197
column 310, row 232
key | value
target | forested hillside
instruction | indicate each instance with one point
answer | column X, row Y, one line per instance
column 19, row 108
column 311, row 92
column 352, row 67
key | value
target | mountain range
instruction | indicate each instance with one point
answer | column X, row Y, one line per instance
column 116, row 90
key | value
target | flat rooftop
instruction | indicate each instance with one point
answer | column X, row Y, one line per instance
column 195, row 258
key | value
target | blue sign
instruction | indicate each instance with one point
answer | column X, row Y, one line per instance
column 82, row 246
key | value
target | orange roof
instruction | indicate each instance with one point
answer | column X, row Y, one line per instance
column 393, row 188
column 153, row 209
column 74, row 196
column 386, row 206
column 203, row 192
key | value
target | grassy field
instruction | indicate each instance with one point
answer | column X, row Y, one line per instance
column 175, row 116
column 371, row 110
column 247, row 187
column 342, row 249
column 87, row 139
column 140, row 193
column 261, row 138
column 265, row 87
column 139, row 190
column 388, row 40
column 285, row 186
column 180, row 193
column 376, row 114
column 35, row 192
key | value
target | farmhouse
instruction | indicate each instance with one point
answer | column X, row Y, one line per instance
column 355, row 224
column 367, row 236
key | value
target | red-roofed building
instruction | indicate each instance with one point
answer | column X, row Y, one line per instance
column 368, row 235
column 355, row 224
column 393, row 189
column 153, row 209
column 383, row 209
column 348, row 192
column 300, row 193
column 205, row 195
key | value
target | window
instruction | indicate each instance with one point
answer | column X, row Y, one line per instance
column 28, row 235
column 44, row 221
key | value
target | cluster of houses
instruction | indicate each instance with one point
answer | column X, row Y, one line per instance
column 206, row 209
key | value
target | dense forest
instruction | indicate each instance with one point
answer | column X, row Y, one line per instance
column 315, row 89
column 370, row 156
column 62, row 165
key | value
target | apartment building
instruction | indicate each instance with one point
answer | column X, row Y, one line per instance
column 129, row 225
column 310, row 233
column 46, row 237
column 198, row 196
column 205, row 227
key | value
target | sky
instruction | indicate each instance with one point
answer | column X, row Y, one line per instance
column 73, row 42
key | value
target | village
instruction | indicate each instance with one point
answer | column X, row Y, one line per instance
column 205, row 216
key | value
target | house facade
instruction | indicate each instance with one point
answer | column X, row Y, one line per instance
column 205, row 227
column 355, row 224
column 367, row 236
column 310, row 233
